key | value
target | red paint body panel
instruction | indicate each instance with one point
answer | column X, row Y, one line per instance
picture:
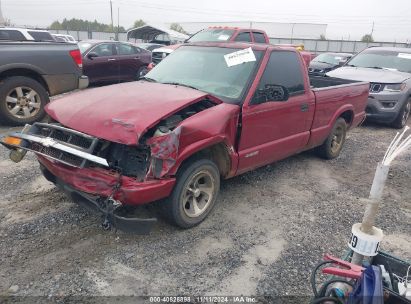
column 215, row 125
column 268, row 131
column 123, row 112
column 331, row 103
column 100, row 182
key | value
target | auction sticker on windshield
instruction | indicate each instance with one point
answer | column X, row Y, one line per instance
column 239, row 57
column 223, row 37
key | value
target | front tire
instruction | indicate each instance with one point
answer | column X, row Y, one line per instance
column 332, row 146
column 22, row 100
column 403, row 116
column 195, row 193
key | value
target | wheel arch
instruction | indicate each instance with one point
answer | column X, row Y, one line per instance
column 24, row 72
column 348, row 116
column 218, row 152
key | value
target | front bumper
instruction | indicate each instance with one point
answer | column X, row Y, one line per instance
column 379, row 109
column 109, row 208
column 101, row 182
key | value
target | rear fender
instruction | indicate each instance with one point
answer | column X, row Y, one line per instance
column 319, row 135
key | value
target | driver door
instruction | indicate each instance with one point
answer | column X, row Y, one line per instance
column 273, row 130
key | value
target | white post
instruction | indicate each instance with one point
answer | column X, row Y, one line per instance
column 365, row 238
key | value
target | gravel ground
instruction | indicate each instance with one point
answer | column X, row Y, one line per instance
column 268, row 230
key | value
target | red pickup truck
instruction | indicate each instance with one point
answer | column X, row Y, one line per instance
column 207, row 113
column 224, row 34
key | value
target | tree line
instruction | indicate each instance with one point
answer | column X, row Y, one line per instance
column 84, row 25
column 95, row 26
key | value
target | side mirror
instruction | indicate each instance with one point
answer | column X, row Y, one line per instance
column 271, row 92
column 92, row 55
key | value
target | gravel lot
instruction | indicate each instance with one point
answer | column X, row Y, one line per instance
column 268, row 230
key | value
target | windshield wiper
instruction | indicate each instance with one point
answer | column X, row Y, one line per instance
column 375, row 67
column 148, row 79
column 351, row 65
column 181, row 84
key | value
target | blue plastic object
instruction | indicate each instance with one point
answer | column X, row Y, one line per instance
column 369, row 289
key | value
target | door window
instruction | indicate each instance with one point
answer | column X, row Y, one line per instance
column 283, row 69
column 127, row 49
column 244, row 36
column 11, row 35
column 102, row 50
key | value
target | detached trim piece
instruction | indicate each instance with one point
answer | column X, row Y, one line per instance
column 64, row 145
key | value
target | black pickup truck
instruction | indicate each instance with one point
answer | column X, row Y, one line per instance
column 30, row 72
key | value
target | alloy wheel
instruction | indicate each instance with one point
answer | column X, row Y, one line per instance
column 198, row 194
column 23, row 102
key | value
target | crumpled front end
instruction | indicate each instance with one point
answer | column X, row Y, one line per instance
column 109, row 174
column 92, row 165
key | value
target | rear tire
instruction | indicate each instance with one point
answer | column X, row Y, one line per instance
column 195, row 193
column 332, row 146
column 22, row 100
column 401, row 121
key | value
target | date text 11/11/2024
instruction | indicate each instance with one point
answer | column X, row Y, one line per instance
column 202, row 299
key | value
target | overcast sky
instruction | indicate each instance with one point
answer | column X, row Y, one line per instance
column 345, row 18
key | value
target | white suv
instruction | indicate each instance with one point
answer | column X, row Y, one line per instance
column 21, row 34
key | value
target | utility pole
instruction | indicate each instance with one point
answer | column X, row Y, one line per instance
column 118, row 22
column 372, row 29
column 2, row 19
column 111, row 12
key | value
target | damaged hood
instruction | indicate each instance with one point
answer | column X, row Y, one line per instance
column 124, row 112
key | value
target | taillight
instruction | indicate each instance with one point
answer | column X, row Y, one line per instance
column 76, row 55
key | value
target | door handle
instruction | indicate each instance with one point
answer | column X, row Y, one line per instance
column 304, row 107
column 137, row 58
column 111, row 59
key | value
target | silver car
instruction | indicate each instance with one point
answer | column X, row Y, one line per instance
column 388, row 70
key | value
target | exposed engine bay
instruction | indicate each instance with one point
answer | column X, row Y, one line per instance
column 135, row 161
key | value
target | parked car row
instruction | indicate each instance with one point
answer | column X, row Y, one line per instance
column 110, row 62
column 387, row 69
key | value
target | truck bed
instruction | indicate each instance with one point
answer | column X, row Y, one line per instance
column 326, row 82
column 333, row 96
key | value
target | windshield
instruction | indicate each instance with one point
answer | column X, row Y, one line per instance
column 84, row 46
column 212, row 35
column 205, row 69
column 329, row 58
column 378, row 59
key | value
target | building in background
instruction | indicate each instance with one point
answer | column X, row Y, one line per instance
column 273, row 29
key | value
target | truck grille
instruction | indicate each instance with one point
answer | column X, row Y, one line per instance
column 65, row 145
column 61, row 134
column 62, row 156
